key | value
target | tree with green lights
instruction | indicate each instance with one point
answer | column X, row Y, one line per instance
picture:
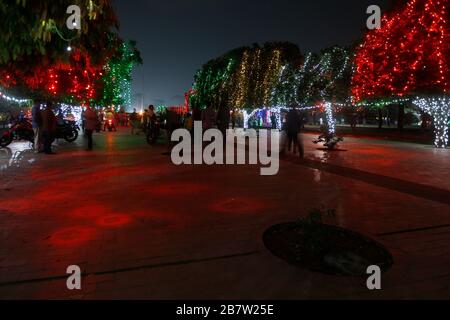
column 118, row 76
column 245, row 77
column 325, row 76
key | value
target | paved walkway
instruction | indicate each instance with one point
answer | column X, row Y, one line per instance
column 140, row 227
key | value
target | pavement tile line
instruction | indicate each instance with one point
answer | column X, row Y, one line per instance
column 415, row 189
column 131, row 269
column 393, row 233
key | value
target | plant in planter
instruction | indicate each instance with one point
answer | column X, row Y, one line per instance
column 329, row 139
column 310, row 243
column 312, row 228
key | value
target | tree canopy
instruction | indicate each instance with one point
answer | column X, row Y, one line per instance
column 276, row 74
column 409, row 55
column 41, row 57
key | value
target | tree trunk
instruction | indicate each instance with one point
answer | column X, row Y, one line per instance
column 401, row 117
column 380, row 119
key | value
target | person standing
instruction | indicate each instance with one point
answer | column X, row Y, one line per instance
column 152, row 118
column 189, row 123
column 293, row 128
column 91, row 124
column 83, row 120
column 37, row 125
column 273, row 121
column 48, row 128
column 101, row 121
column 145, row 121
column 151, row 113
column 134, row 122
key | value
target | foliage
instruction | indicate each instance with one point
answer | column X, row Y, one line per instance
column 244, row 77
column 274, row 75
column 315, row 237
column 326, row 76
column 408, row 56
column 34, row 58
column 330, row 140
column 316, row 216
column 29, row 30
column 117, row 75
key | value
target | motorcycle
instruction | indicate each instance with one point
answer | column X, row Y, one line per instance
column 110, row 125
column 21, row 130
column 67, row 131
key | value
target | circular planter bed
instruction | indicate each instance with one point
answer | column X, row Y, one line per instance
column 326, row 249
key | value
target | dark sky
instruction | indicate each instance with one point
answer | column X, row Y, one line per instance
column 176, row 37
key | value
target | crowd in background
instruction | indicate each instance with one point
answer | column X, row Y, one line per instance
column 44, row 121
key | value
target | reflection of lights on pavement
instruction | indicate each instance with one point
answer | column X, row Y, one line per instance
column 72, row 236
column 238, row 205
column 114, row 220
column 179, row 189
column 15, row 155
column 317, row 175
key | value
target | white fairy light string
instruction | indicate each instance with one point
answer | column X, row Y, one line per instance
column 12, row 99
column 330, row 118
column 439, row 109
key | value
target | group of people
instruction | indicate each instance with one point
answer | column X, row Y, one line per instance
column 222, row 118
column 44, row 123
column 292, row 125
column 103, row 116
column 140, row 122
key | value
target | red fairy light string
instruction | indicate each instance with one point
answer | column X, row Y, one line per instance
column 408, row 55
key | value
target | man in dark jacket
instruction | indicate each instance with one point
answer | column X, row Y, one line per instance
column 293, row 127
column 48, row 128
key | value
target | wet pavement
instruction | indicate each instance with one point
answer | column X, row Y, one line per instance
column 140, row 227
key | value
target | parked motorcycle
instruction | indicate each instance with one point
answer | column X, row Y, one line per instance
column 67, row 131
column 21, row 130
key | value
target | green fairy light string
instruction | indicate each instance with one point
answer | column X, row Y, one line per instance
column 117, row 76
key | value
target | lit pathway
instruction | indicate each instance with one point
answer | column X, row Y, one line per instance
column 142, row 228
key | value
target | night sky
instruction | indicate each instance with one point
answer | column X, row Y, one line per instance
column 176, row 37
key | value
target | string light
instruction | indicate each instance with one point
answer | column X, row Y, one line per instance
column 240, row 95
column 409, row 54
column 117, row 77
column 439, row 109
column 331, row 122
column 13, row 99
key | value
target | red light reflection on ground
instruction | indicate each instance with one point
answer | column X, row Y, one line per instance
column 114, row 221
column 72, row 236
column 178, row 189
column 238, row 205
column 90, row 211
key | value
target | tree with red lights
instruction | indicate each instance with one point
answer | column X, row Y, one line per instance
column 409, row 55
column 41, row 57
column 409, row 58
